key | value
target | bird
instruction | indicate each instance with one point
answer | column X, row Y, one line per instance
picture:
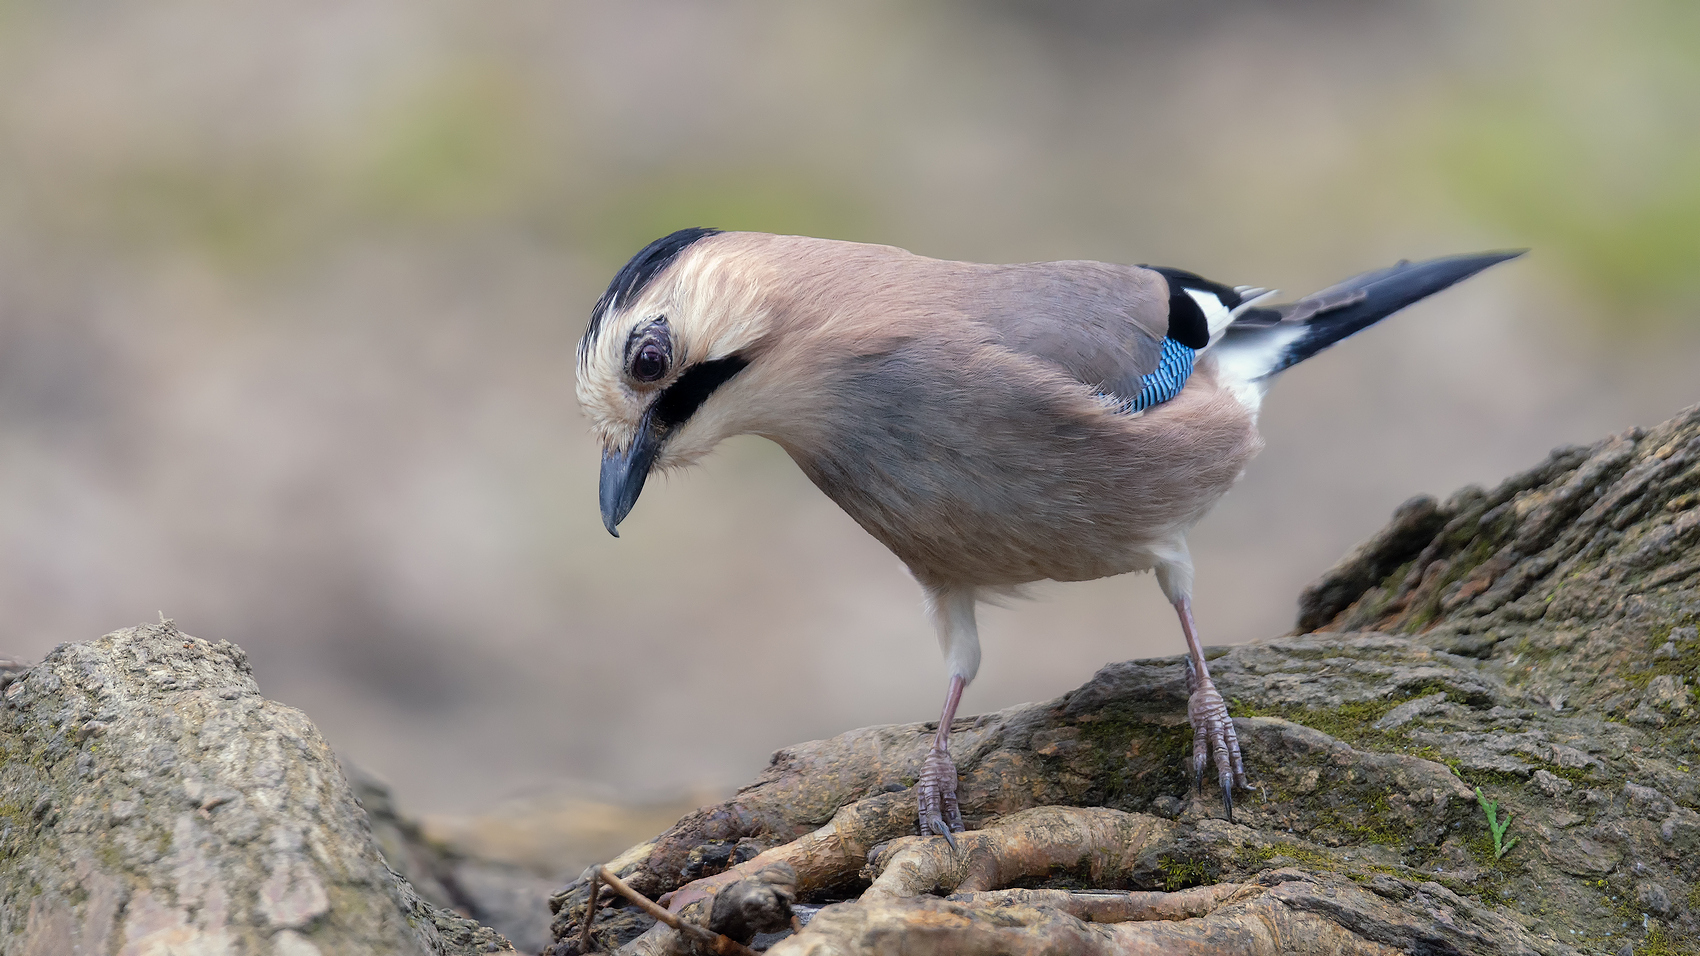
column 992, row 425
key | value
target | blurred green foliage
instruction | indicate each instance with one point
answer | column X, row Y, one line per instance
column 461, row 146
column 1569, row 127
column 1587, row 147
column 766, row 200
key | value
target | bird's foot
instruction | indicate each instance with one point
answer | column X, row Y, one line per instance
column 1213, row 738
column 936, row 794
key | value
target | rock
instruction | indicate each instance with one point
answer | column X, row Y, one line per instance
column 1580, row 856
column 1652, row 897
column 152, row 802
column 1681, row 833
column 1551, row 785
column 1668, row 692
column 1413, row 524
column 1410, row 710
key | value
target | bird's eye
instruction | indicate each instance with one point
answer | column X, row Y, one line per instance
column 650, row 362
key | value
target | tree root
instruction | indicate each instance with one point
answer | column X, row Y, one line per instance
column 830, row 856
column 1111, row 906
column 1285, row 910
column 1252, row 920
column 1096, row 846
column 1104, row 847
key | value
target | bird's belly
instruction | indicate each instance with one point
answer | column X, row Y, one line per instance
column 960, row 542
column 991, row 522
column 1007, row 489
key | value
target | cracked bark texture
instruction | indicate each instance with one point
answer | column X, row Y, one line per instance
column 152, row 803
column 1537, row 641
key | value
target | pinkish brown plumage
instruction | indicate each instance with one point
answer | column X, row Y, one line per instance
column 979, row 420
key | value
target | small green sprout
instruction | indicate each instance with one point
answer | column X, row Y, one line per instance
column 1495, row 826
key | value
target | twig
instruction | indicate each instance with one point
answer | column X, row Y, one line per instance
column 589, row 912
column 718, row 944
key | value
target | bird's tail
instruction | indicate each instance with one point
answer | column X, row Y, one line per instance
column 1260, row 342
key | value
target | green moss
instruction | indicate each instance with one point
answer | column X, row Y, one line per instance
column 1419, row 618
column 1180, row 874
column 1686, row 663
column 1488, row 779
column 1354, row 722
column 1427, row 752
column 1581, row 776
column 1376, row 597
column 1400, row 573
column 1656, row 943
column 1476, row 554
column 1252, row 860
column 1617, row 896
column 1348, row 722
column 13, row 812
column 1299, row 853
column 1136, row 759
column 1376, row 828
column 111, row 856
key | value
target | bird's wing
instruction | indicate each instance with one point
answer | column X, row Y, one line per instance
column 1103, row 324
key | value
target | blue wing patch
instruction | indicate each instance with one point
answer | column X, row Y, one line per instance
column 1174, row 365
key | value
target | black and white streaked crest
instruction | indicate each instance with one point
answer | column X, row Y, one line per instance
column 636, row 274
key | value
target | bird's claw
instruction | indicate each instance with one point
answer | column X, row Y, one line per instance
column 934, row 823
column 1214, row 739
column 935, row 793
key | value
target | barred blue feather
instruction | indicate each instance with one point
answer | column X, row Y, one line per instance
column 1174, row 365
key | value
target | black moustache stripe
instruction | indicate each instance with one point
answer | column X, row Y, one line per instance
column 681, row 399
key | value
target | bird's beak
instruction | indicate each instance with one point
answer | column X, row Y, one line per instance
column 623, row 474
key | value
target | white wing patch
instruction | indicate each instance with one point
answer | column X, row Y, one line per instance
column 1216, row 315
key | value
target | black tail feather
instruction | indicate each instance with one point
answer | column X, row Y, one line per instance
column 1363, row 300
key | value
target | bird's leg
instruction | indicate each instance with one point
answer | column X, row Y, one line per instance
column 1212, row 729
column 953, row 616
column 936, row 790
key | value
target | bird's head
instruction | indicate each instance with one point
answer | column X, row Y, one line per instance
column 661, row 361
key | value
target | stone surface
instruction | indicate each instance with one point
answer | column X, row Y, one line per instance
column 153, row 803
column 1536, row 642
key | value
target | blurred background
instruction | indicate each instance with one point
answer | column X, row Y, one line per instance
column 289, row 293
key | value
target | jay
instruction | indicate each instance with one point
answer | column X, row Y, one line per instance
column 993, row 425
